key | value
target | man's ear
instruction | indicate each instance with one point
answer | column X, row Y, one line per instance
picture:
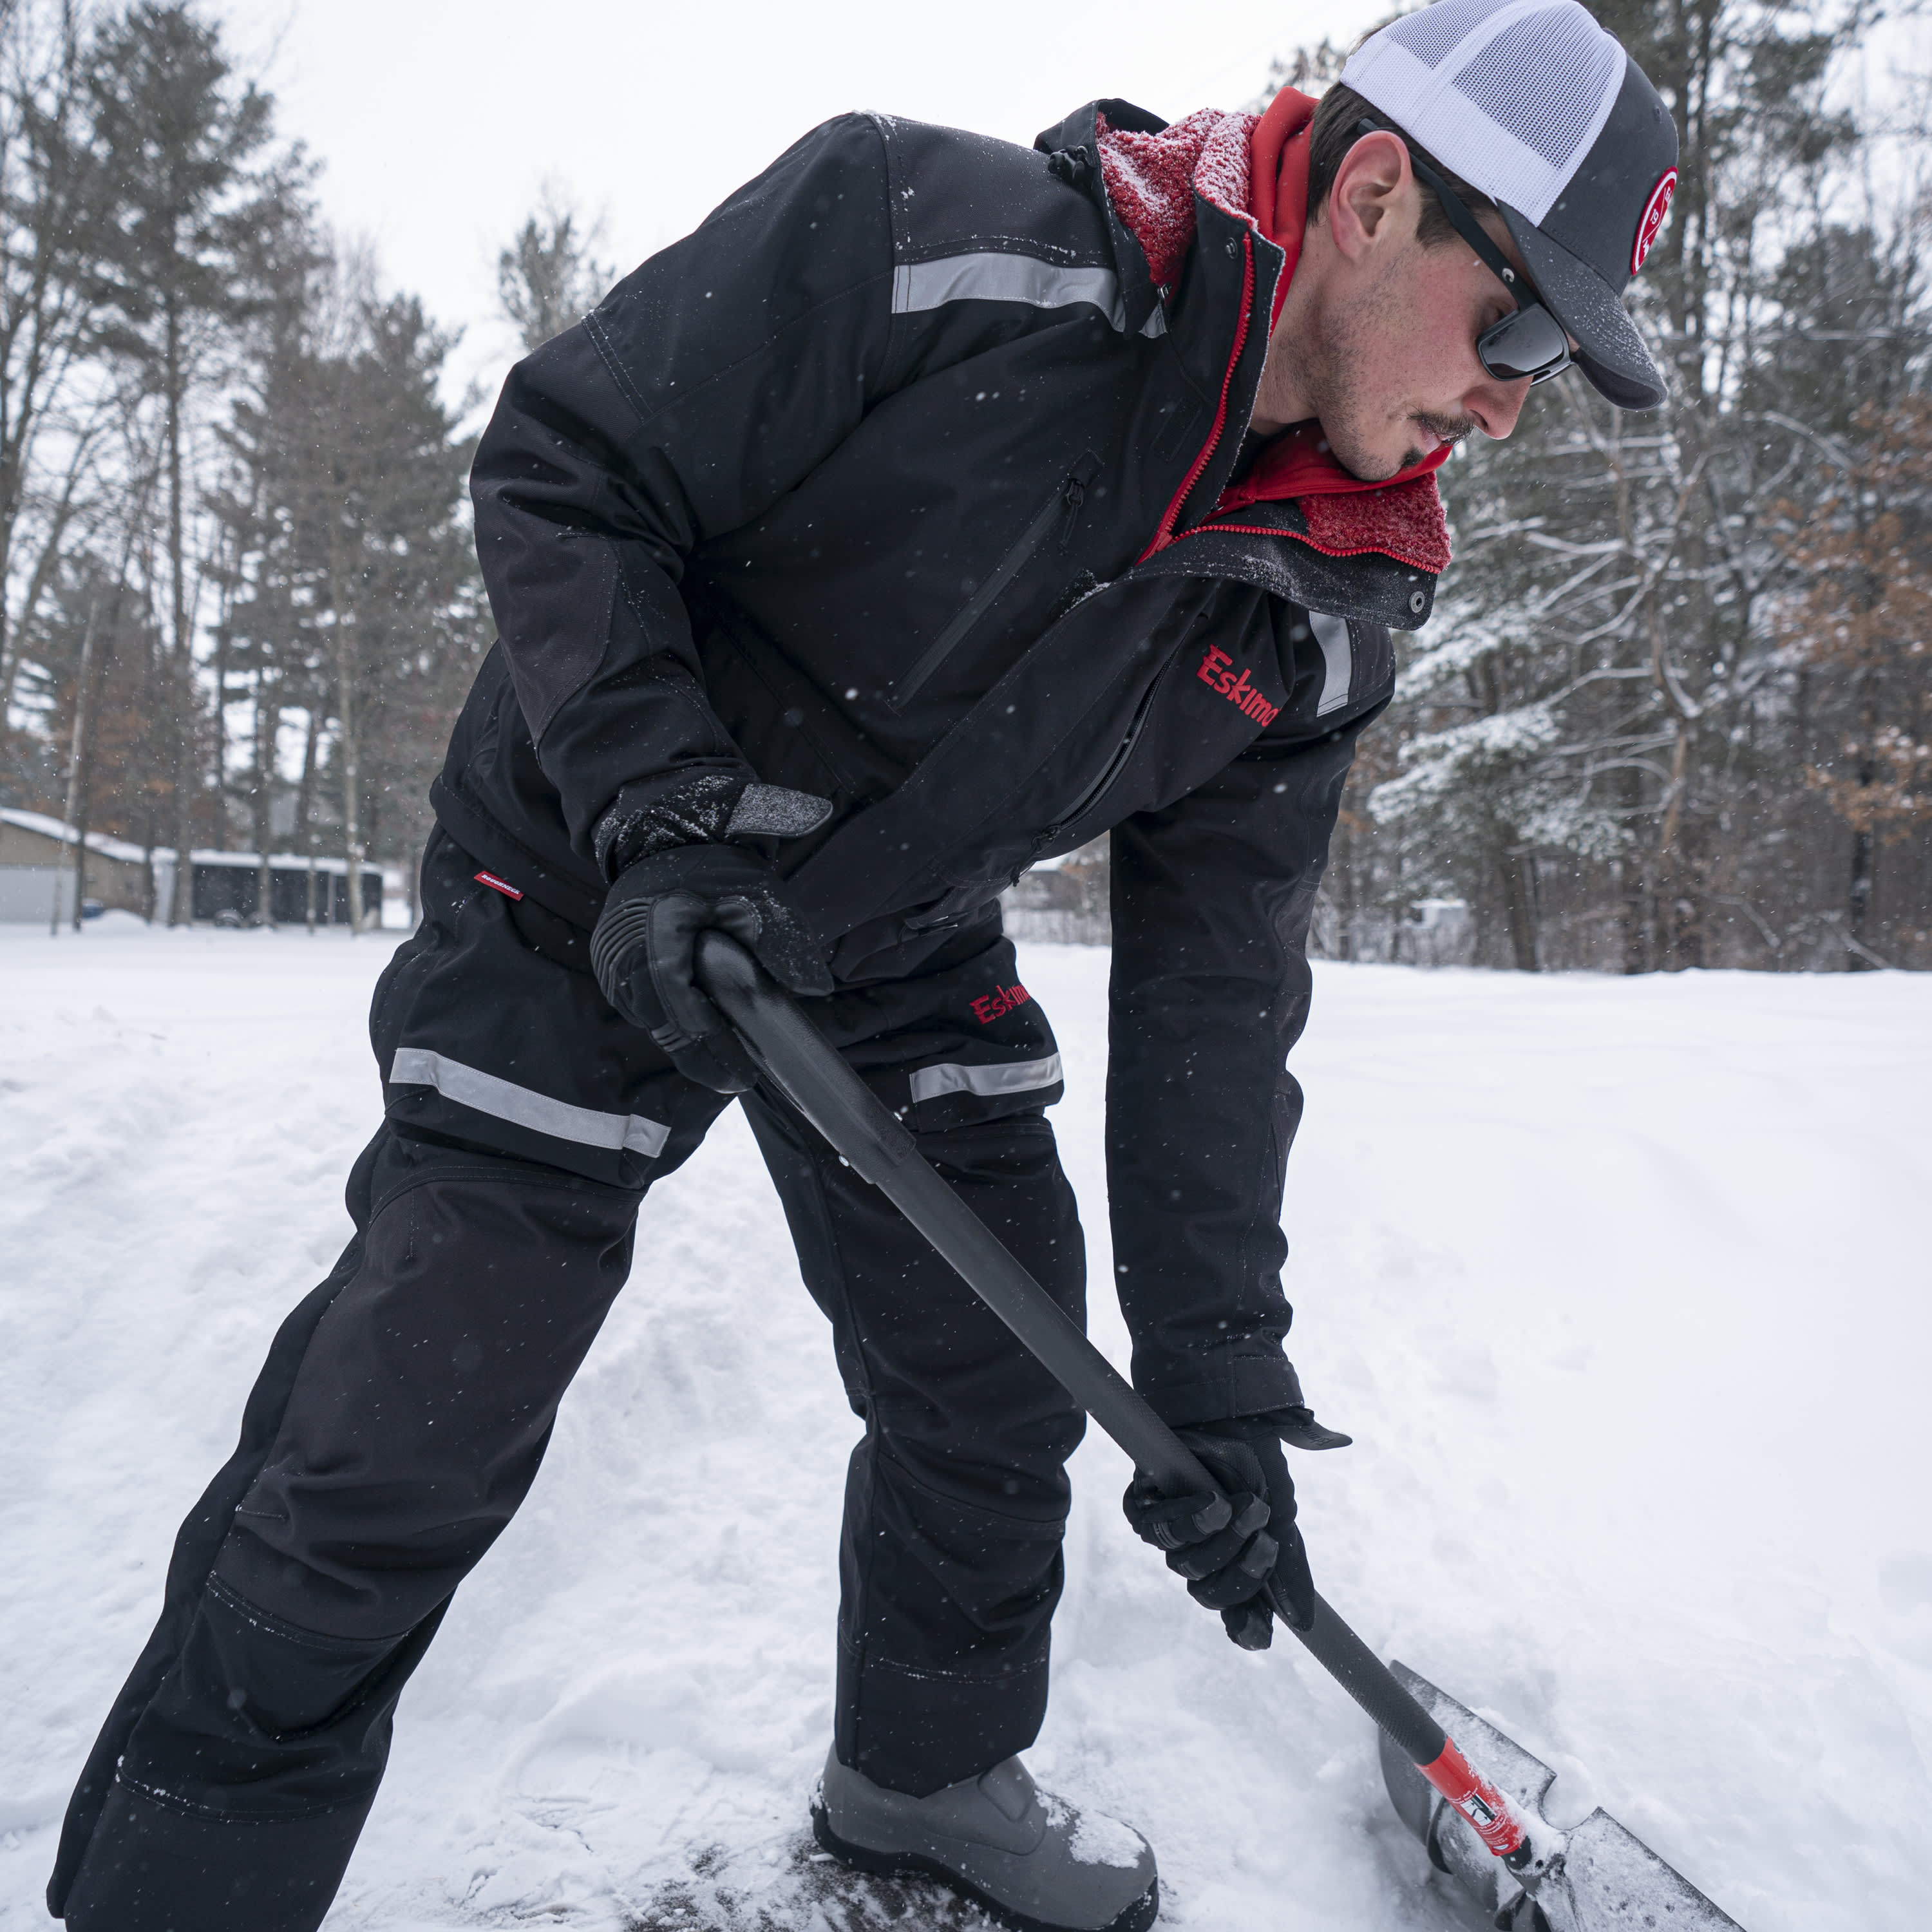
column 1371, row 188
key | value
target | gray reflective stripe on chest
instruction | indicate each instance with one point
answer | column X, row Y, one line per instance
column 504, row 1100
column 1338, row 657
column 1011, row 1076
column 989, row 277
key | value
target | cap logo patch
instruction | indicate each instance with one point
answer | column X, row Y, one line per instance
column 1655, row 210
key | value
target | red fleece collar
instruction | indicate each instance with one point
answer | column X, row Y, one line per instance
column 1254, row 167
column 1278, row 178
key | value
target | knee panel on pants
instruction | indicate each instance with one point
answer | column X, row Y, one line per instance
column 947, row 1579
column 259, row 1719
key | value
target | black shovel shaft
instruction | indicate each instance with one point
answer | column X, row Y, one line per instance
column 809, row 1071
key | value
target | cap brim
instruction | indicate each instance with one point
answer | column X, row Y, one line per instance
column 1612, row 355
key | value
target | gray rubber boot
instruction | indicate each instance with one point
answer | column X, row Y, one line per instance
column 1031, row 1859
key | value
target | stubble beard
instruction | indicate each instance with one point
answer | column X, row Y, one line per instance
column 1350, row 415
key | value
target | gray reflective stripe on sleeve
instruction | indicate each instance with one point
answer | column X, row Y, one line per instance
column 1010, row 1076
column 471, row 1086
column 1014, row 278
column 1332, row 635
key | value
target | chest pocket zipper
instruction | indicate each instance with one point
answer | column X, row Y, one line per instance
column 1063, row 507
column 1111, row 772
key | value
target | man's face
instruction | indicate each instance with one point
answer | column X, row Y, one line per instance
column 1393, row 370
column 1378, row 337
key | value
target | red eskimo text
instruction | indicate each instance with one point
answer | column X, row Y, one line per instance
column 997, row 1004
column 1215, row 674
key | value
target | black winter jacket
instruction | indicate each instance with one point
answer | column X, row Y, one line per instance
column 893, row 483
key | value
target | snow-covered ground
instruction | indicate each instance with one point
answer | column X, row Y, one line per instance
column 1622, row 1286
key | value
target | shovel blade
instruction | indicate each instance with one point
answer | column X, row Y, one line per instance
column 1613, row 1882
column 1608, row 1880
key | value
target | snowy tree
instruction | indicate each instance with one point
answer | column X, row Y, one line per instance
column 1601, row 744
column 548, row 277
column 171, row 280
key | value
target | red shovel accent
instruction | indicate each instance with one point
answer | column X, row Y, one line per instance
column 1477, row 1807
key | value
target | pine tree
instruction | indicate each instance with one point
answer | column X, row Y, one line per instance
column 548, row 278
column 52, row 192
column 358, row 599
column 172, row 282
column 1603, row 738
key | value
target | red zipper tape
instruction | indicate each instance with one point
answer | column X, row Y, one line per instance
column 1162, row 535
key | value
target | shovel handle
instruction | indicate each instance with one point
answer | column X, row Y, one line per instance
column 809, row 1071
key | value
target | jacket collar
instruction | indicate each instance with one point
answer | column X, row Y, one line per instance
column 1165, row 189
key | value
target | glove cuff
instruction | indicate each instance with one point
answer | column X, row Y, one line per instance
column 1297, row 1427
column 644, row 819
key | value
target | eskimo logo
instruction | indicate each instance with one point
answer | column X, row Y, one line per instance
column 1651, row 220
column 1214, row 672
column 1000, row 1002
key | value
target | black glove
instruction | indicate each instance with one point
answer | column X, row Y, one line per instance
column 644, row 951
column 1233, row 1547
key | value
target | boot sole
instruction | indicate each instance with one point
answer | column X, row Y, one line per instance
column 1137, row 1918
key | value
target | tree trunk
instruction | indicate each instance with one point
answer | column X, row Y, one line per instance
column 181, row 911
column 352, row 836
column 305, row 791
column 221, row 753
column 69, row 816
column 1859, row 907
column 103, row 657
column 342, row 600
column 268, row 720
column 1519, row 881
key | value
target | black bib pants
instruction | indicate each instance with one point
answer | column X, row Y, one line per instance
column 406, row 1403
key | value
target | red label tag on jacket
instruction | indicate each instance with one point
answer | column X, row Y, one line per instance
column 497, row 885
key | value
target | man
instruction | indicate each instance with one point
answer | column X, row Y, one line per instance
column 935, row 507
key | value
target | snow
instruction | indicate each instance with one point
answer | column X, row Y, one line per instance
column 1098, row 1840
column 1620, row 1284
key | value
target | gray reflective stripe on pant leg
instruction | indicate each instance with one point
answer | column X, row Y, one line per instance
column 1338, row 656
column 504, row 1099
column 1011, row 1076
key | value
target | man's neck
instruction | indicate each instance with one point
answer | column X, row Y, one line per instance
column 1282, row 396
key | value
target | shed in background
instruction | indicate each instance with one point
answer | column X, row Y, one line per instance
column 37, row 860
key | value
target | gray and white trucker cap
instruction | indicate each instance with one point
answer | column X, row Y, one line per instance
column 1534, row 103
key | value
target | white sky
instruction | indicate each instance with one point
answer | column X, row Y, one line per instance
column 439, row 120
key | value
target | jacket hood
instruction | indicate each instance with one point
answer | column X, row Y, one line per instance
column 1254, row 169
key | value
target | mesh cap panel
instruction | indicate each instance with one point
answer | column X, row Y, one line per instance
column 1509, row 93
column 1577, row 66
column 1435, row 30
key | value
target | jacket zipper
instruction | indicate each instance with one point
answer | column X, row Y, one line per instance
column 1164, row 532
column 1110, row 772
column 1070, row 493
column 1087, row 800
column 1267, row 530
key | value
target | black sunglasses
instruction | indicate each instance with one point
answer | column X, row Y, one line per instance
column 1529, row 340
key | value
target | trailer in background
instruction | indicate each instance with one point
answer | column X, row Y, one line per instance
column 37, row 864
column 227, row 889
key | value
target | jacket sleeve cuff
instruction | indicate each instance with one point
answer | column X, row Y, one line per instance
column 1232, row 1382
column 645, row 819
